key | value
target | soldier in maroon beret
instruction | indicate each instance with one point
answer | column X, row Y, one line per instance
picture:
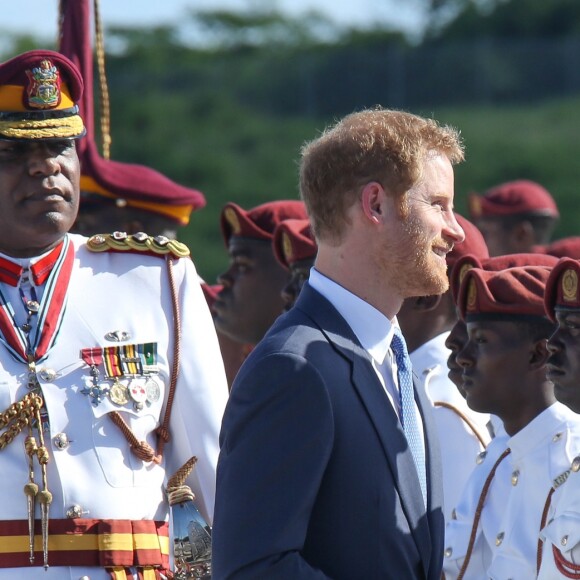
column 562, row 304
column 250, row 299
column 458, row 335
column 504, row 373
column 514, row 216
column 295, row 248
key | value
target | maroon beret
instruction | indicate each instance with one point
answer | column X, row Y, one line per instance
column 512, row 198
column 259, row 222
column 510, row 294
column 562, row 287
column 563, row 248
column 473, row 244
column 39, row 95
column 293, row 241
column 128, row 184
column 495, row 264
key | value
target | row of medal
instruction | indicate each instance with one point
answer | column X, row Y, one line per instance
column 137, row 363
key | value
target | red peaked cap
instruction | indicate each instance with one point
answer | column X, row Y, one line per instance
column 512, row 198
column 510, row 294
column 39, row 95
column 562, row 287
column 495, row 264
column 473, row 244
column 293, row 241
column 259, row 222
column 137, row 186
column 562, row 248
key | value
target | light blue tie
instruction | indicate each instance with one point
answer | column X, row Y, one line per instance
column 407, row 401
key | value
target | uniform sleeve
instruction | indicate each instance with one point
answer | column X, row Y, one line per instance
column 276, row 442
column 201, row 392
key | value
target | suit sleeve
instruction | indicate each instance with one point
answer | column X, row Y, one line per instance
column 276, row 440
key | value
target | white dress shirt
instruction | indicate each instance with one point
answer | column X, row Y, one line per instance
column 373, row 330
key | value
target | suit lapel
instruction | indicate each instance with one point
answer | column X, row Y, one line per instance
column 379, row 409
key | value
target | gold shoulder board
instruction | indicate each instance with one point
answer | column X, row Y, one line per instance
column 139, row 242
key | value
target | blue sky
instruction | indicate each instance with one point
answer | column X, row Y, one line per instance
column 401, row 13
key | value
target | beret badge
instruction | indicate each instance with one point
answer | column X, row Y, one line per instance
column 570, row 286
column 287, row 247
column 463, row 270
column 471, row 295
column 232, row 219
column 43, row 90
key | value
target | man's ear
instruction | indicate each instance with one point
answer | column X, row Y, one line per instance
column 372, row 201
column 539, row 354
column 426, row 303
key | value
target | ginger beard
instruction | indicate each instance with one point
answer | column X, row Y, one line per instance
column 410, row 262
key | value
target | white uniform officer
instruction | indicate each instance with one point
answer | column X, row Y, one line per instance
column 110, row 373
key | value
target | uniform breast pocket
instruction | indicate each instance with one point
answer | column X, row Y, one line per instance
column 128, row 413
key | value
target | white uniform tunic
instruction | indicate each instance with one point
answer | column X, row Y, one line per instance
column 459, row 444
column 94, row 474
column 563, row 528
column 507, row 537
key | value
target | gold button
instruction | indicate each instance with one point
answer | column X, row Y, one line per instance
column 515, row 477
column 564, row 540
column 480, row 457
column 448, row 552
column 576, row 464
column 557, row 437
column 499, row 539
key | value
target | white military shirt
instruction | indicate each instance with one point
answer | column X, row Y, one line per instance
column 93, row 473
column 459, row 444
column 507, row 537
column 563, row 528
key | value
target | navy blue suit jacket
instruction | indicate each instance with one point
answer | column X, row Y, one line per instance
column 315, row 478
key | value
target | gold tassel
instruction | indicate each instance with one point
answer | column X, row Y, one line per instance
column 31, row 490
column 45, row 499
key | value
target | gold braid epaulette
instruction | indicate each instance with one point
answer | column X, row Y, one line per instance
column 141, row 242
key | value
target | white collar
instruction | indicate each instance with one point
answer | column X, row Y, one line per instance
column 372, row 328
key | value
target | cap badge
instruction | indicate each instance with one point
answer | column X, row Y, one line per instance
column 287, row 247
column 570, row 286
column 43, row 90
column 464, row 269
column 471, row 295
column 232, row 219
